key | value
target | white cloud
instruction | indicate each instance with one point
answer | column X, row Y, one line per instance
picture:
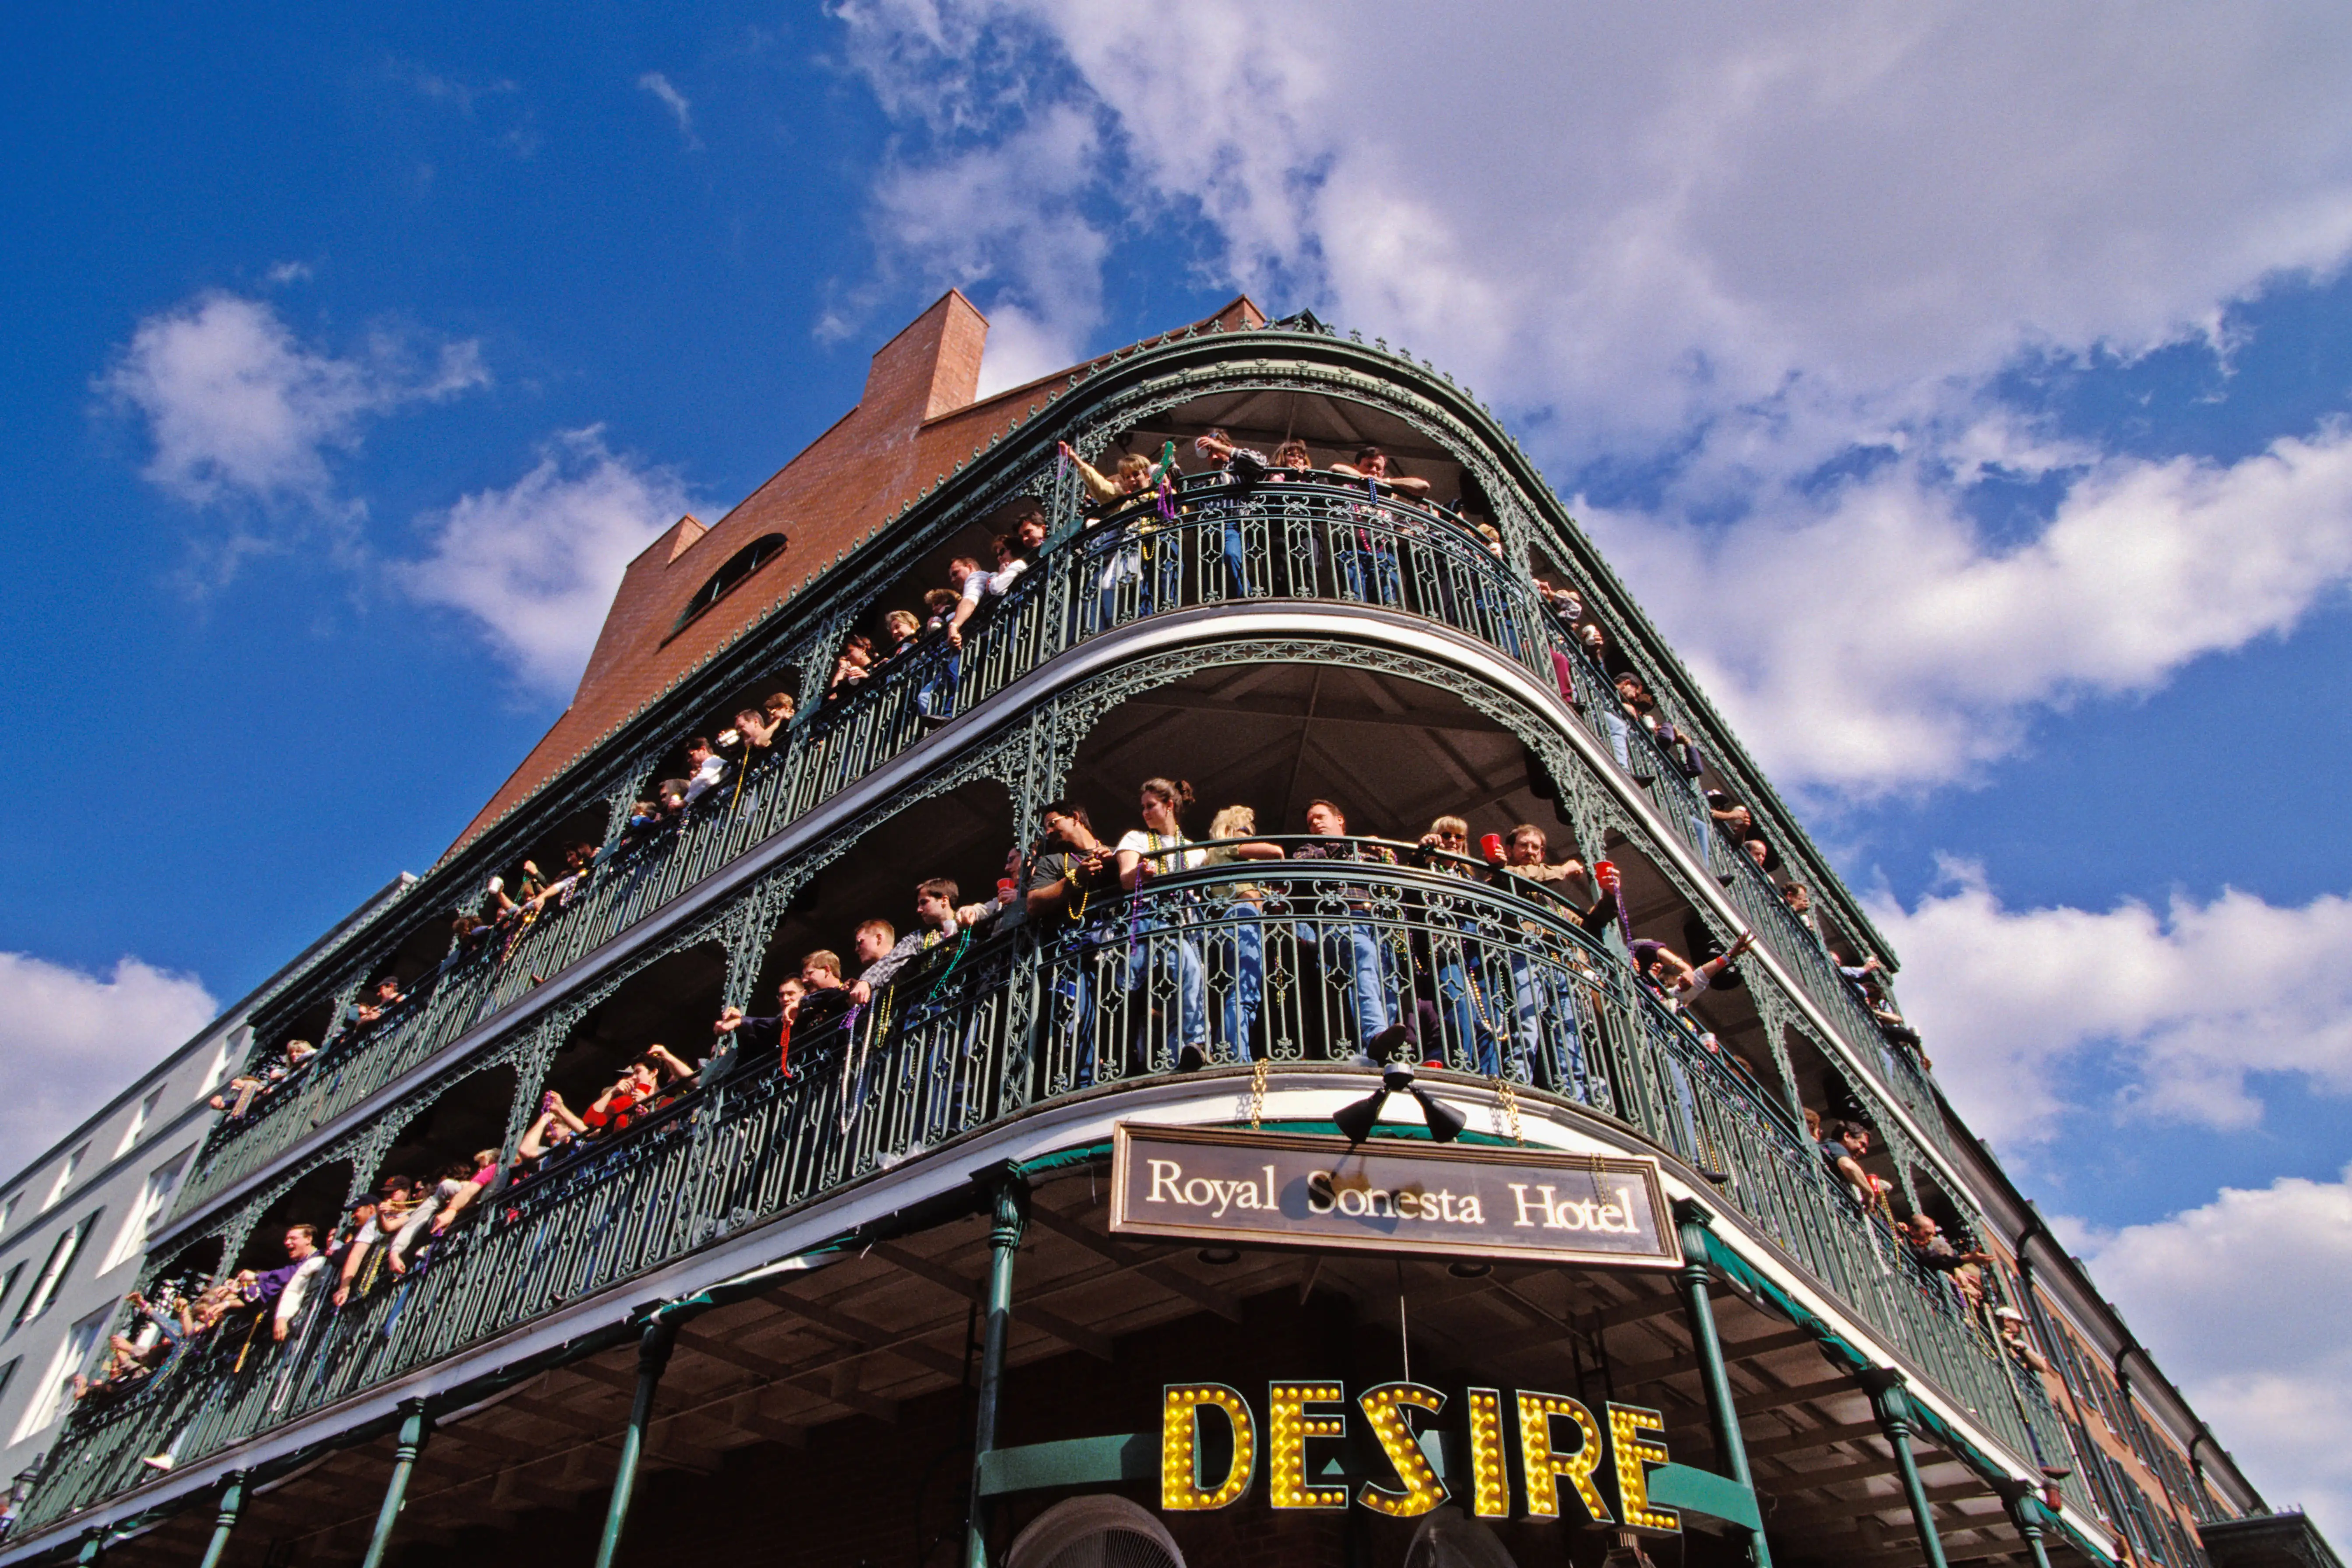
column 1736, row 243
column 673, row 100
column 240, row 411
column 1873, row 637
column 2233, row 1299
column 535, row 564
column 78, row 1038
column 1004, row 218
column 1639, row 215
column 2181, row 1005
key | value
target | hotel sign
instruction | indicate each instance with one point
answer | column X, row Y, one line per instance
column 1286, row 1189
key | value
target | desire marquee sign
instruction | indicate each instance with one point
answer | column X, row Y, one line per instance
column 1208, row 1440
column 1284, row 1189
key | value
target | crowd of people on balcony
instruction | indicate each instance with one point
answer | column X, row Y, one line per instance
column 715, row 769
column 1073, row 872
column 1405, row 996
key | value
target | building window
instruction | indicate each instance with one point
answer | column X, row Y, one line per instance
column 8, row 1281
column 8, row 1210
column 146, row 1108
column 724, row 580
column 65, row 1176
column 53, row 1272
column 218, row 1071
column 153, row 1199
column 75, row 1355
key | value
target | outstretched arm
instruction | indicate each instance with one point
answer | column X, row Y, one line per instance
column 1096, row 486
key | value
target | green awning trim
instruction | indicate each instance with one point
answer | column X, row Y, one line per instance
column 1844, row 1353
column 1072, row 1462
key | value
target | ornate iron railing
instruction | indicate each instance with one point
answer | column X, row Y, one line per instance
column 1679, row 801
column 1304, row 538
column 1300, row 959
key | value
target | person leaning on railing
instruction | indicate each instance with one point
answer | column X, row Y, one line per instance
column 743, row 1039
column 1155, row 848
column 281, row 1290
column 374, row 1223
column 884, row 953
column 1842, row 1147
column 1924, row 1241
column 366, row 1015
column 759, row 728
column 1456, row 966
column 1238, row 940
column 1352, row 942
column 236, row 1098
column 553, row 1136
column 1072, row 887
column 644, row 1086
column 1537, row 991
column 852, row 667
column 1234, row 471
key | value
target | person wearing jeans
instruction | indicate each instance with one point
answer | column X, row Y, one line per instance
column 1070, row 889
column 1369, row 569
column 1355, row 943
column 1239, row 947
column 1155, row 849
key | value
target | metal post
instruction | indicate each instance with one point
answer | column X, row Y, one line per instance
column 1893, row 1408
column 654, row 1347
column 2025, row 1511
column 1011, row 1217
column 405, row 1447
column 232, row 1503
column 93, row 1547
column 1722, row 1410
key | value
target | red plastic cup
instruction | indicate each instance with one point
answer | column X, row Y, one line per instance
column 1605, row 874
column 1005, row 888
column 1491, row 846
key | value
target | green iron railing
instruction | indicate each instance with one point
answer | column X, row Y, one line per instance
column 1678, row 800
column 1296, row 960
column 1304, row 538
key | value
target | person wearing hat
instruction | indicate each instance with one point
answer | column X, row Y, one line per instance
column 2011, row 1324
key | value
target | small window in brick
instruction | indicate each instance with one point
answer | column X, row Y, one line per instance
column 723, row 582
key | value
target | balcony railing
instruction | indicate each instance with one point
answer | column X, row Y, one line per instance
column 1310, row 538
column 1295, row 960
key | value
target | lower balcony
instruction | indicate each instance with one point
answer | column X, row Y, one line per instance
column 1278, row 970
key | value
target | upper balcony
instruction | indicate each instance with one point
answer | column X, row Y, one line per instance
column 1301, row 538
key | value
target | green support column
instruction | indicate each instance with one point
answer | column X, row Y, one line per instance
column 2026, row 1513
column 1722, row 1410
column 93, row 1547
column 232, row 1503
column 1893, row 1408
column 654, row 1347
column 405, row 1447
column 1011, row 1217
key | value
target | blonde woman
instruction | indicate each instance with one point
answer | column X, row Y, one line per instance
column 1460, row 968
column 1237, row 945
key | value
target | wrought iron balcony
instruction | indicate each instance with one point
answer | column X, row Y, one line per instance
column 1290, row 961
column 1305, row 538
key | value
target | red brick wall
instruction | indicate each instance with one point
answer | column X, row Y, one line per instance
column 915, row 421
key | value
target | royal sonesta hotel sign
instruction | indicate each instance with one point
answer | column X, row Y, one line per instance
column 1286, row 1189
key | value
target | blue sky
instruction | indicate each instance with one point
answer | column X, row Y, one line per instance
column 1964, row 392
